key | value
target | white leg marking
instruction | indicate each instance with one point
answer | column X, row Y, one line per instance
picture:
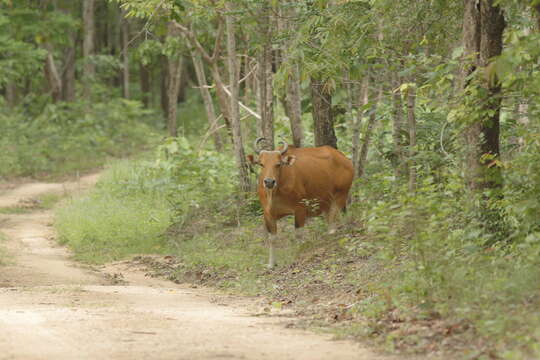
column 271, row 252
column 333, row 214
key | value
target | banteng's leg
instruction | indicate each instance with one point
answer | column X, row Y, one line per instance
column 338, row 205
column 271, row 231
column 300, row 215
column 332, row 216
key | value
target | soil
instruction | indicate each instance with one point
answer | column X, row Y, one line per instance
column 54, row 308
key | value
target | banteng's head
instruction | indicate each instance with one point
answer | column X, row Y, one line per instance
column 271, row 163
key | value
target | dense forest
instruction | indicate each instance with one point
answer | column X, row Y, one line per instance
column 435, row 102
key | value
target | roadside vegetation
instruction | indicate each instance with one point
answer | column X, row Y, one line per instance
column 412, row 273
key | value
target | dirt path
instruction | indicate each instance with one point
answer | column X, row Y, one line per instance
column 53, row 308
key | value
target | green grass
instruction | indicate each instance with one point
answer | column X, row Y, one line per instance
column 115, row 220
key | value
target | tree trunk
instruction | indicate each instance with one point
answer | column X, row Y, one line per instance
column 482, row 35
column 323, row 120
column 53, row 77
column 265, row 98
column 125, row 55
column 175, row 72
column 411, row 118
column 293, row 96
column 68, row 77
column 241, row 162
column 88, row 46
column 363, row 99
column 144, row 77
column 294, row 104
column 398, row 157
column 184, row 82
column 207, row 99
column 113, row 33
column 265, row 81
column 361, row 157
column 164, row 85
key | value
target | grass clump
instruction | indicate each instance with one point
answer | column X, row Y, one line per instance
column 120, row 217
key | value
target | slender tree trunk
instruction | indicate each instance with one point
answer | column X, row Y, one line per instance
column 397, row 133
column 471, row 43
column 125, row 55
column 68, row 77
column 523, row 103
column 184, row 82
column 411, row 118
column 265, row 80
column 323, row 119
column 68, row 74
column 53, row 77
column 241, row 162
column 266, row 97
column 175, row 71
column 294, row 104
column 144, row 77
column 363, row 100
column 293, row 97
column 257, row 92
column 366, row 140
column 164, row 85
column 88, row 45
column 207, row 99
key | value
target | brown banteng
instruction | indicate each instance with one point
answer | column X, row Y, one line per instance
column 303, row 182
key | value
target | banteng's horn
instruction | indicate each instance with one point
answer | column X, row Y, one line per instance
column 256, row 144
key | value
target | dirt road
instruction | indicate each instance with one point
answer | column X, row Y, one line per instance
column 54, row 308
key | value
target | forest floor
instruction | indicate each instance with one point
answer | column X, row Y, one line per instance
column 53, row 307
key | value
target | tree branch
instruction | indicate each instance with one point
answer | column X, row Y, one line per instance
column 217, row 44
column 190, row 35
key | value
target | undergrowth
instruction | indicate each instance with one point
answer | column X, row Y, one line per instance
column 414, row 272
column 66, row 138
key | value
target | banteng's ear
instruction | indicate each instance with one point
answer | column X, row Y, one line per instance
column 253, row 160
column 288, row 160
